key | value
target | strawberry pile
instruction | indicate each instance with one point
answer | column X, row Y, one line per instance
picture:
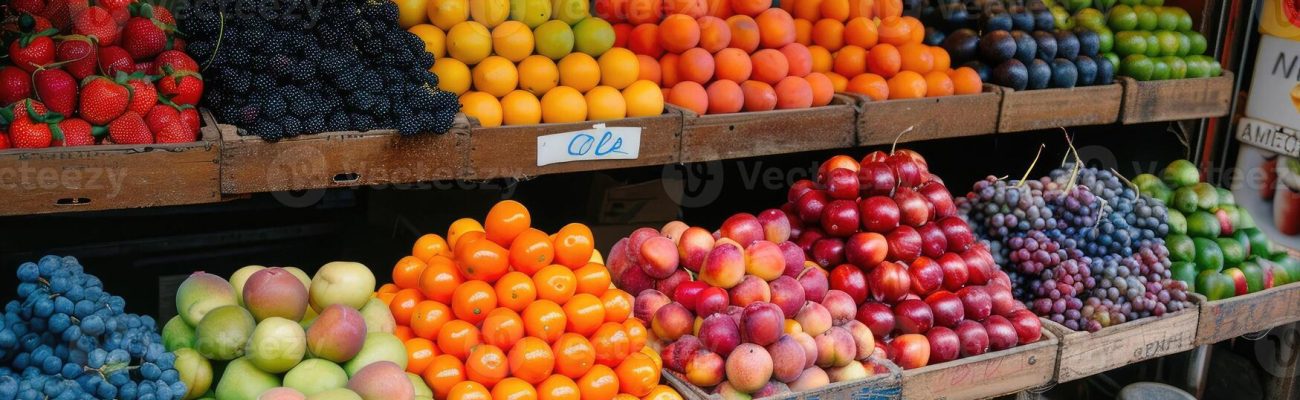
column 83, row 72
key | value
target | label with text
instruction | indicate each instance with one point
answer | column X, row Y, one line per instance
column 598, row 143
column 1271, row 137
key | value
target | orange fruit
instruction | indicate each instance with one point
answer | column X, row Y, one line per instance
column 637, row 374
column 555, row 283
column 715, row 35
column 648, row 69
column 428, row 318
column 759, row 96
column 593, row 278
column 486, row 364
column 839, row 82
column 406, row 273
column 806, row 9
column 893, row 30
column 461, row 227
column 483, row 260
column 419, row 354
column 513, row 389
column 578, row 71
column 521, row 107
column 887, row 8
column 695, row 65
column 720, row 9
column 506, row 220
column 515, row 291
column 644, row 11
column 600, row 383
column 821, row 58
column 473, row 300
column 644, row 40
column 884, row 60
column 617, row 304
column 744, row 33
column 690, row 8
column 442, row 373
column 662, row 392
column 612, row 344
column 643, row 99
column 828, row 33
column 531, row 359
column 637, row 336
column 966, row 81
column 678, row 33
column 483, row 106
column 938, row 84
column 605, row 103
column 725, row 97
column 496, row 76
column 850, row 61
column 456, row 338
column 387, row 288
column 464, row 242
column 574, row 355
column 916, row 28
column 822, row 89
column 469, row 390
column 803, row 31
column 689, row 95
column 558, row 387
column 439, row 279
column 799, row 59
column 502, row 328
column 403, row 333
column 916, row 57
column 429, row 245
column 531, row 250
column 870, row 85
column 618, row 68
column 573, row 245
column 387, row 298
column 942, row 62
column 770, row 65
column 749, row 7
column 835, row 9
column 907, row 85
column 860, row 9
column 545, row 320
column 775, row 28
column 583, row 313
column 732, row 64
column 538, row 74
column 403, row 305
column 793, row 92
column 668, row 70
column 861, row 32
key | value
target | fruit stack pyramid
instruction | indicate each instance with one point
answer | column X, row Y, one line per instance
column 503, row 310
column 281, row 69
column 1023, row 48
column 524, row 62
column 110, row 73
column 1082, row 248
column 275, row 334
column 1152, row 41
column 66, row 338
column 1214, row 245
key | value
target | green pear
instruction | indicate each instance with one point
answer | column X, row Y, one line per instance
column 378, row 347
column 347, row 283
column 378, row 317
column 243, row 381
column 335, row 394
column 223, row 333
column 177, row 334
column 277, row 345
column 200, row 293
column 195, row 371
column 315, row 375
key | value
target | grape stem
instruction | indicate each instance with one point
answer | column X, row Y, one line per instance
column 221, row 33
column 894, row 145
column 1031, row 166
column 1130, row 183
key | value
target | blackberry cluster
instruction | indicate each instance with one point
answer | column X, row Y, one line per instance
column 1084, row 249
column 305, row 67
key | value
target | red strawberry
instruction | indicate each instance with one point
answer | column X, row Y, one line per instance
column 27, row 108
column 80, row 54
column 28, row 134
column 143, row 93
column 113, row 59
column 175, row 133
column 15, row 85
column 178, row 44
column 32, row 50
column 115, row 4
column 34, row 7
column 56, row 11
column 143, row 38
column 183, row 88
column 103, row 100
column 129, row 129
column 73, row 132
column 98, row 22
column 162, row 115
column 57, row 89
column 176, row 60
column 4, row 141
column 190, row 116
column 162, row 14
column 75, row 7
column 144, row 66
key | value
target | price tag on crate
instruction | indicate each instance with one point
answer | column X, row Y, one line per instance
column 598, row 143
column 1272, row 137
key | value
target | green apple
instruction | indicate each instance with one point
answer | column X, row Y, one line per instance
column 243, row 381
column 223, row 333
column 240, row 277
column 195, row 371
column 340, row 282
column 302, row 276
column 421, row 388
column 378, row 317
column 315, row 375
column 379, row 346
column 335, row 394
column 200, row 293
column 277, row 345
column 177, row 334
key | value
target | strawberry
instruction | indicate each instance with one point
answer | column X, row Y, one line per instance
column 162, row 115
column 175, row 133
column 183, row 87
column 103, row 99
column 34, row 7
column 80, row 54
column 129, row 129
column 143, row 93
column 72, row 132
column 178, row 44
column 57, row 89
column 113, row 59
column 143, row 37
column 28, row 134
column 190, row 116
column 162, row 14
column 56, row 11
column 115, row 4
column 15, row 84
column 144, row 66
column 98, row 22
column 27, row 109
column 4, row 141
column 31, row 52
column 174, row 59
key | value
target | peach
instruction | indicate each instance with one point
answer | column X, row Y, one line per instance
column 787, row 294
column 776, row 225
column 660, row 256
column 673, row 230
column 913, row 350
column 794, row 258
column 669, row 284
column 672, row 321
column 382, row 380
column 724, row 267
column 618, row 261
column 720, row 334
column 728, row 392
column 337, row 334
column 705, row 369
column 815, row 282
column 761, row 323
column 772, row 388
column 809, row 348
column 765, row 260
column 811, row 379
column 814, row 318
column 635, row 280
column 282, row 393
column 647, row 303
column 841, row 306
column 693, row 246
column 835, row 348
column 849, row 372
column 274, row 292
column 786, row 348
column 638, row 238
column 744, row 228
column 749, row 367
column 751, row 289
column 677, row 354
column 863, row 337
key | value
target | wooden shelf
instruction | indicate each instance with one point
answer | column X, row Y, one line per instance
column 880, row 386
column 1236, row 316
column 987, row 375
column 1084, row 354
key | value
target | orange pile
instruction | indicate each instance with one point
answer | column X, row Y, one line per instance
column 502, row 310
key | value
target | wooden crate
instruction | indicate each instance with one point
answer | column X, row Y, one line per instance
column 751, row 134
column 511, row 151
column 1089, row 353
column 876, row 387
column 338, row 159
column 88, row 178
column 1052, row 108
column 930, row 118
column 1228, row 318
column 1176, row 99
column 987, row 375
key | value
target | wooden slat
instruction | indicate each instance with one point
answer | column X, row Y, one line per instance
column 1051, row 108
column 752, row 134
column 930, row 118
column 1089, row 353
column 1232, row 317
column 107, row 177
column 511, row 151
column 876, row 387
column 338, row 159
column 986, row 375
column 1176, row 99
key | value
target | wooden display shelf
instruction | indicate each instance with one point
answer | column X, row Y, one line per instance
column 108, row 177
column 338, row 159
column 887, row 386
column 1177, row 99
column 511, row 151
column 929, row 118
column 1083, row 354
column 1232, row 317
column 751, row 134
column 1053, row 108
column 987, row 375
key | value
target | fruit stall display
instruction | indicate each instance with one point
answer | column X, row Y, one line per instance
column 114, row 73
column 501, row 309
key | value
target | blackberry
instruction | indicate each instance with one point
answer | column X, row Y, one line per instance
column 267, row 130
column 290, row 125
column 271, row 102
column 339, row 122
column 362, row 122
column 236, row 81
column 263, row 82
column 314, row 124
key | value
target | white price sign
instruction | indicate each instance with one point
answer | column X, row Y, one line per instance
column 598, row 143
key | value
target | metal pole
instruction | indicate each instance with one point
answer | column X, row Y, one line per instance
column 1197, row 366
